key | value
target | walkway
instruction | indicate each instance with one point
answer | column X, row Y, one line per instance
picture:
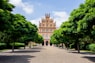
column 46, row 54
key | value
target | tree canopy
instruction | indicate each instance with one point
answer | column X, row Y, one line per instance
column 15, row 27
column 80, row 25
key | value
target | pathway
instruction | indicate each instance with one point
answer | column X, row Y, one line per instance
column 45, row 54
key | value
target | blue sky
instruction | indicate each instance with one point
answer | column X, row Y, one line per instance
column 34, row 10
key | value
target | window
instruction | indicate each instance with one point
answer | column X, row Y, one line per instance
column 43, row 24
column 50, row 25
column 43, row 30
column 46, row 30
column 50, row 30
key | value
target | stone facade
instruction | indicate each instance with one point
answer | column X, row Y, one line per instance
column 46, row 28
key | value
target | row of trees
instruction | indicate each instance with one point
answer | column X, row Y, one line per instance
column 79, row 30
column 15, row 27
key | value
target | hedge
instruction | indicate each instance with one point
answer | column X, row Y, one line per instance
column 18, row 45
column 92, row 47
column 2, row 45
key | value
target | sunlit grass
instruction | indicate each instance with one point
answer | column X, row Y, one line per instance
column 3, row 50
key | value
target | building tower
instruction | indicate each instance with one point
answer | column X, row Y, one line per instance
column 46, row 28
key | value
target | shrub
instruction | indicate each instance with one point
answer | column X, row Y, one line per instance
column 71, row 46
column 92, row 47
column 2, row 45
column 18, row 45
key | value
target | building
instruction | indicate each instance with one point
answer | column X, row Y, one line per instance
column 46, row 28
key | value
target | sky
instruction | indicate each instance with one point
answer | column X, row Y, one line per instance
column 35, row 10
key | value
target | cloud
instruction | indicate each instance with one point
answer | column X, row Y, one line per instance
column 28, row 8
column 25, row 6
column 36, row 21
column 59, row 17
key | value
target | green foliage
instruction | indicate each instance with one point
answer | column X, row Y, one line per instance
column 38, row 38
column 5, row 15
column 90, row 3
column 79, row 27
column 17, row 44
column 92, row 47
column 58, row 37
column 2, row 45
column 5, row 5
column 22, row 29
column 5, row 20
column 15, row 27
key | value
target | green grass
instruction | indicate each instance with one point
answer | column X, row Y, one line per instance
column 3, row 50
column 87, row 51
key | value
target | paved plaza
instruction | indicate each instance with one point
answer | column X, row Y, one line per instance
column 45, row 54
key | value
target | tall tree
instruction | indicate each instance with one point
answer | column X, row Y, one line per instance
column 5, row 15
column 81, row 22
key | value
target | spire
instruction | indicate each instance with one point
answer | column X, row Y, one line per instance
column 47, row 15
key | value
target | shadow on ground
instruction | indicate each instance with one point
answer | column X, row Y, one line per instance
column 25, row 51
column 85, row 53
column 37, row 48
column 15, row 58
column 90, row 58
column 30, row 50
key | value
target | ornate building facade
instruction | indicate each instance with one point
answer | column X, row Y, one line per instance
column 46, row 28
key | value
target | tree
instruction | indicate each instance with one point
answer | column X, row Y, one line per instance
column 14, row 27
column 58, row 37
column 53, row 39
column 38, row 38
column 5, row 15
column 22, row 30
column 5, row 5
column 5, row 19
column 80, row 23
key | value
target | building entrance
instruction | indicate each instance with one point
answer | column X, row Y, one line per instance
column 46, row 43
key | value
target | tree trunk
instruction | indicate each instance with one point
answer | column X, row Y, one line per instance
column 62, row 45
column 24, row 47
column 30, row 45
column 78, row 47
column 13, row 46
column 67, row 47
